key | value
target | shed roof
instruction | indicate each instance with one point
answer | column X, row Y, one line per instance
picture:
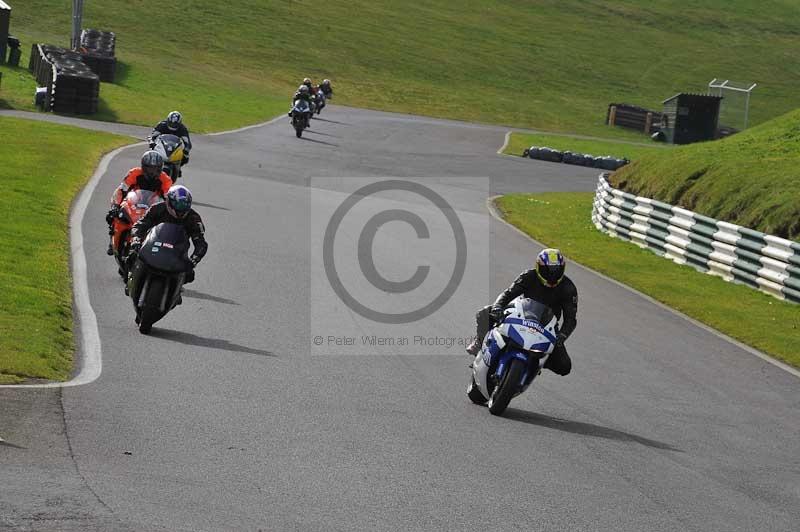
column 694, row 95
column 4, row 6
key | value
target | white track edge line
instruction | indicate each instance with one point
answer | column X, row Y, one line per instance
column 245, row 128
column 505, row 143
column 753, row 351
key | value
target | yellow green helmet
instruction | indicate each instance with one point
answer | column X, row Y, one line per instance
column 550, row 266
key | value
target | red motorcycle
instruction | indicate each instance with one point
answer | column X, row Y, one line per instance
column 131, row 210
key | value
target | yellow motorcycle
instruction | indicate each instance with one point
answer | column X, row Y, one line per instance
column 173, row 151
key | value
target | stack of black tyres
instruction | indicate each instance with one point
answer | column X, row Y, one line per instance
column 98, row 51
column 71, row 85
column 578, row 159
column 43, row 71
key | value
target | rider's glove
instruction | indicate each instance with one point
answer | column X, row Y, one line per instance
column 561, row 339
column 133, row 254
column 195, row 260
column 112, row 213
column 496, row 314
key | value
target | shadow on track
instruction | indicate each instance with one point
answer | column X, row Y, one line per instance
column 208, row 297
column 324, row 134
column 4, row 443
column 214, row 343
column 210, row 206
column 331, row 121
column 584, row 429
column 319, row 142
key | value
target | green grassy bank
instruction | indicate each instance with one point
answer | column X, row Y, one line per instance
column 43, row 167
column 750, row 179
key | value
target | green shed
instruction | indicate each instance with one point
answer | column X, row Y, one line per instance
column 690, row 118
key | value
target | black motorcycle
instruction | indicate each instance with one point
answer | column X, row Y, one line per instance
column 158, row 274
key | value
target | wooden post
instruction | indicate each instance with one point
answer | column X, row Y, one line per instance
column 648, row 123
column 612, row 115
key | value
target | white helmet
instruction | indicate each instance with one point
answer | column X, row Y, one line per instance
column 174, row 120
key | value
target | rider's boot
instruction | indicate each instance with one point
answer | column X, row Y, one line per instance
column 110, row 249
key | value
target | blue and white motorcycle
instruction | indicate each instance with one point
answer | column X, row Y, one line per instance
column 513, row 354
column 301, row 114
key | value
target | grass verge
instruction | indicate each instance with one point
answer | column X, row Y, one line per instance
column 44, row 166
column 550, row 64
column 748, row 179
column 597, row 147
column 563, row 219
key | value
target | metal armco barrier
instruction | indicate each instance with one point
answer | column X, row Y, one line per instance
column 768, row 263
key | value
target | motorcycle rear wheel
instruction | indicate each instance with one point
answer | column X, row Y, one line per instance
column 503, row 393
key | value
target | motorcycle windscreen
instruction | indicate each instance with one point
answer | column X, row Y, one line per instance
column 535, row 310
column 166, row 248
column 172, row 147
column 142, row 199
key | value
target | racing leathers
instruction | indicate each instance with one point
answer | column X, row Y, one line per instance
column 135, row 180
column 562, row 299
column 306, row 97
column 192, row 223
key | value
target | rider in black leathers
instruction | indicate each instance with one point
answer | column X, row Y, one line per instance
column 547, row 284
column 176, row 209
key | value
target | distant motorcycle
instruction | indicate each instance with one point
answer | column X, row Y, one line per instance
column 132, row 208
column 513, row 354
column 172, row 150
column 319, row 100
column 300, row 116
column 158, row 274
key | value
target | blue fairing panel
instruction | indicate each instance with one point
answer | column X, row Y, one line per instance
column 505, row 359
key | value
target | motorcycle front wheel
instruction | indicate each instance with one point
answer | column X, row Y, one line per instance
column 151, row 312
column 504, row 391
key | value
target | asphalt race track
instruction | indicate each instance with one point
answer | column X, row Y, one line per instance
column 227, row 417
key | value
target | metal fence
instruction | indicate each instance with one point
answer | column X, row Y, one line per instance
column 737, row 254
